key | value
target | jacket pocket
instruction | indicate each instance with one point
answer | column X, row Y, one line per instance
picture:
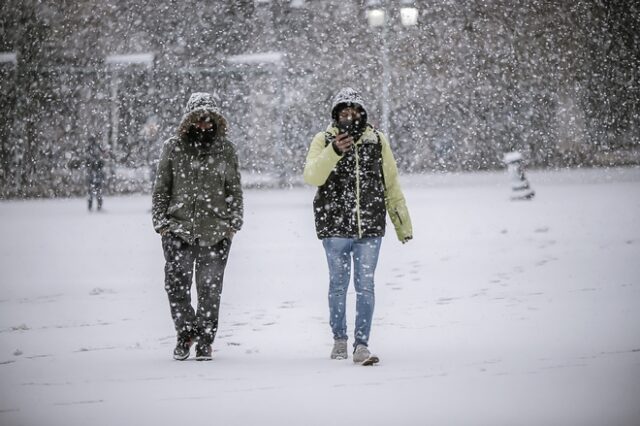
column 397, row 213
column 174, row 208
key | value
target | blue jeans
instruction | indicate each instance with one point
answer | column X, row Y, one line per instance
column 364, row 252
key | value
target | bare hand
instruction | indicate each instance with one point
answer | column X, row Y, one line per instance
column 343, row 142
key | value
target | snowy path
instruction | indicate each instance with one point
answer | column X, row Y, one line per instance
column 499, row 313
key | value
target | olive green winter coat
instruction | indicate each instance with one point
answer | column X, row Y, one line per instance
column 197, row 194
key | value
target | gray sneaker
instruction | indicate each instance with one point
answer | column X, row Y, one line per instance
column 339, row 350
column 362, row 356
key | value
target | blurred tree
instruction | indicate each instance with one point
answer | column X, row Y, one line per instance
column 473, row 79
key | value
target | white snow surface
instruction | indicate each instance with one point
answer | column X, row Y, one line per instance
column 257, row 58
column 11, row 57
column 497, row 313
column 133, row 58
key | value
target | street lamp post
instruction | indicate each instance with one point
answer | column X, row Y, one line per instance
column 377, row 16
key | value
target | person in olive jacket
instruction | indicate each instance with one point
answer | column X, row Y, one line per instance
column 353, row 167
column 197, row 207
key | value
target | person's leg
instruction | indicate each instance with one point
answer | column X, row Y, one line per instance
column 99, row 194
column 338, row 252
column 90, row 191
column 210, row 265
column 178, row 271
column 365, row 260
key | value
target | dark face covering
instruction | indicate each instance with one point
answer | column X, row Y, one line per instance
column 350, row 119
column 349, row 125
column 202, row 136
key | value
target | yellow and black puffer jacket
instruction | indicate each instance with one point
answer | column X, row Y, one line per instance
column 357, row 189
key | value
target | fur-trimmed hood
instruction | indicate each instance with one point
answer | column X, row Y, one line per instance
column 202, row 103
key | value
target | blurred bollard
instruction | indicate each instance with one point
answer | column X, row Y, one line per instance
column 519, row 183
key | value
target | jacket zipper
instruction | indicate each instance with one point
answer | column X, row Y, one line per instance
column 358, row 192
column 195, row 198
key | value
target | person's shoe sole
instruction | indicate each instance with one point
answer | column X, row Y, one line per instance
column 370, row 361
column 339, row 357
column 204, row 358
column 180, row 358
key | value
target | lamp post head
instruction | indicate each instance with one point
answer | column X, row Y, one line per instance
column 408, row 16
column 408, row 13
column 375, row 13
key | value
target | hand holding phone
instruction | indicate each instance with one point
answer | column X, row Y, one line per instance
column 343, row 142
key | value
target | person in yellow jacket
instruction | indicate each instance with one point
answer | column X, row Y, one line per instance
column 353, row 167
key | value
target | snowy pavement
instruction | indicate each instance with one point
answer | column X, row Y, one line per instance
column 498, row 313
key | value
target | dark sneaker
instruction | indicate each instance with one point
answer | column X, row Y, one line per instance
column 181, row 352
column 203, row 352
column 339, row 350
column 362, row 356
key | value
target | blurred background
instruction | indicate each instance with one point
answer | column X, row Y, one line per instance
column 456, row 84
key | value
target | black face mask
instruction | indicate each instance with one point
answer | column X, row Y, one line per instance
column 349, row 126
column 203, row 136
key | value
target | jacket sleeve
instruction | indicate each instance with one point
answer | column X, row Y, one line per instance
column 161, row 196
column 394, row 198
column 321, row 160
column 233, row 192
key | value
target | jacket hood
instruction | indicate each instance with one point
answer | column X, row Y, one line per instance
column 201, row 103
column 347, row 96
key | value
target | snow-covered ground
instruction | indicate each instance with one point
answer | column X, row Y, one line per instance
column 498, row 313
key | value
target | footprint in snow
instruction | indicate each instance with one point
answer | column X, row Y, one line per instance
column 446, row 300
column 105, row 348
column 587, row 289
column 98, row 291
column 96, row 401
column 547, row 244
column 39, row 356
column 41, row 299
column 545, row 261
